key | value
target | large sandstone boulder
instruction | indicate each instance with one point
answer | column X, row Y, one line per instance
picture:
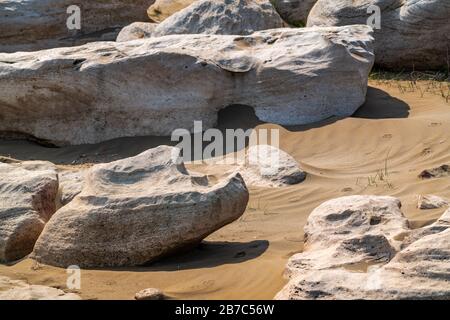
column 162, row 9
column 413, row 34
column 36, row 24
column 294, row 12
column 236, row 17
column 139, row 209
column 361, row 247
column 20, row 290
column 106, row 90
column 27, row 200
column 70, row 184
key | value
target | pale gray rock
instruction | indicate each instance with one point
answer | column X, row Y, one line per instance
column 294, row 12
column 29, row 25
column 268, row 166
column 235, row 17
column 439, row 172
column 137, row 30
column 388, row 261
column 430, row 201
column 136, row 210
column 20, row 290
column 150, row 294
column 27, row 201
column 106, row 90
column 414, row 34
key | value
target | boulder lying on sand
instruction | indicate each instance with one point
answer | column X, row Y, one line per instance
column 430, row 201
column 28, row 192
column 136, row 30
column 360, row 247
column 35, row 24
column 234, row 17
column 413, row 34
column 137, row 210
column 162, row 9
column 294, row 12
column 150, row 294
column 106, row 90
column 20, row 290
column 268, row 166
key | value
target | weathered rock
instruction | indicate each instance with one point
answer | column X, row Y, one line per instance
column 150, row 294
column 35, row 24
column 106, row 90
column 162, row 9
column 439, row 172
column 350, row 231
column 431, row 202
column 137, row 30
column 414, row 34
column 27, row 200
column 442, row 224
column 388, row 264
column 139, row 209
column 268, row 166
column 294, row 12
column 70, row 183
column 20, row 290
column 234, row 17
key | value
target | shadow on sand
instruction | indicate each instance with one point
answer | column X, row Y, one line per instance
column 379, row 105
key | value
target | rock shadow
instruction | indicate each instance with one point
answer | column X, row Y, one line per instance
column 211, row 254
column 381, row 105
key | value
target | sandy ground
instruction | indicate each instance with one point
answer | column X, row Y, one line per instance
column 405, row 132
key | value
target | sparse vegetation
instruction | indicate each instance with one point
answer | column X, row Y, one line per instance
column 432, row 82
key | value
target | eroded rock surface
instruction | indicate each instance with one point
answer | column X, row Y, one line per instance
column 294, row 12
column 106, row 90
column 268, row 166
column 361, row 247
column 413, row 34
column 233, row 17
column 439, row 172
column 20, row 290
column 70, row 184
column 28, row 192
column 137, row 210
column 28, row 25
column 137, row 30
column 162, row 9
column 150, row 294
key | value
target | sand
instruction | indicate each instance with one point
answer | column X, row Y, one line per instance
column 398, row 130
